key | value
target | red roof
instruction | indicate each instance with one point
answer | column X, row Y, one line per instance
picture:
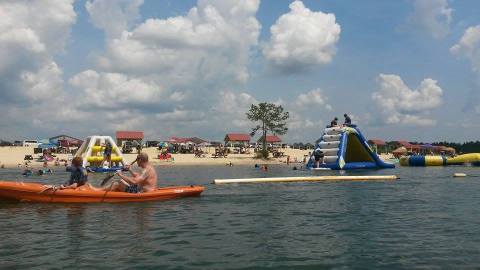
column 271, row 139
column 377, row 142
column 68, row 143
column 236, row 137
column 129, row 135
column 179, row 140
column 409, row 145
column 194, row 140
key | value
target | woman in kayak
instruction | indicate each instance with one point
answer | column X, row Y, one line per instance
column 78, row 175
column 145, row 181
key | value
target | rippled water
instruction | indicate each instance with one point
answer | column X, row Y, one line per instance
column 426, row 219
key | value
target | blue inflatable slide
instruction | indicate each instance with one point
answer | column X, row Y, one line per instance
column 345, row 148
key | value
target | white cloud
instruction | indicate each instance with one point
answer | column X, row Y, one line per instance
column 180, row 115
column 232, row 107
column 31, row 34
column 313, row 98
column 115, row 91
column 401, row 105
column 172, row 70
column 114, row 16
column 213, row 40
column 301, row 39
column 469, row 46
column 432, row 16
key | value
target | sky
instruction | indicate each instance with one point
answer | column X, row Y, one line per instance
column 407, row 69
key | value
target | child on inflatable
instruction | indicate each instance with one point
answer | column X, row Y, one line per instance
column 78, row 175
column 107, row 154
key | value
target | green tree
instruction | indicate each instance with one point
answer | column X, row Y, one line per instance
column 269, row 118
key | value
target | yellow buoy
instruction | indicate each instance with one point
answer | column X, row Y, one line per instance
column 459, row 175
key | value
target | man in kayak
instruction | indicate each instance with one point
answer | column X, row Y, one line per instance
column 144, row 181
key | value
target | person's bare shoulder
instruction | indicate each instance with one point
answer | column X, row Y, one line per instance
column 151, row 170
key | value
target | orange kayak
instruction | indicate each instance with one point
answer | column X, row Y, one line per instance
column 35, row 192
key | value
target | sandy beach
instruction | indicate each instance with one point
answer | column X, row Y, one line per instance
column 13, row 157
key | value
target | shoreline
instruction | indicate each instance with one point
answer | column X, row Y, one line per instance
column 13, row 158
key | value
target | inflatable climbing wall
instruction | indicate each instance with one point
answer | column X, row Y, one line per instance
column 92, row 151
column 345, row 148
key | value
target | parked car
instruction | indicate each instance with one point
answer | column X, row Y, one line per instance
column 127, row 147
column 33, row 143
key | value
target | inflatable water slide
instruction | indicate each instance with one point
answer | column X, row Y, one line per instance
column 345, row 148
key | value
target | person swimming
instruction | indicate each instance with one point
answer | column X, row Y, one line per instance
column 27, row 172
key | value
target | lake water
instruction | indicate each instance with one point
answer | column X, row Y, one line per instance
column 427, row 219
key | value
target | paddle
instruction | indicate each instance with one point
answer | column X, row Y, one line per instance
column 49, row 187
column 110, row 176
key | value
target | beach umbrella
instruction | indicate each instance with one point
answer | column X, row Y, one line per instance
column 163, row 144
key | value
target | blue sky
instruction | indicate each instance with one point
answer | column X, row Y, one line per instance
column 404, row 69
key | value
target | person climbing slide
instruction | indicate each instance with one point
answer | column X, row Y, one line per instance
column 318, row 154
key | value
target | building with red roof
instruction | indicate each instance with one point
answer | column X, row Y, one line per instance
column 379, row 146
column 192, row 140
column 123, row 136
column 377, row 142
column 66, row 141
column 236, row 139
column 410, row 147
column 273, row 139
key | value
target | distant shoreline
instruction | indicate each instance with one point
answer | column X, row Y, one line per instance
column 11, row 157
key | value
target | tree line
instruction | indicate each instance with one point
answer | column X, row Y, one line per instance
column 466, row 147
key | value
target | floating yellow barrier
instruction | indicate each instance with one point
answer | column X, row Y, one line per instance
column 459, row 175
column 306, row 179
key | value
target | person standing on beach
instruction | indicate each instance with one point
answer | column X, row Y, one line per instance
column 145, row 181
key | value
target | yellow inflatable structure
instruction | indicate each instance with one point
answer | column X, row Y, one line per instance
column 421, row 161
column 92, row 154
